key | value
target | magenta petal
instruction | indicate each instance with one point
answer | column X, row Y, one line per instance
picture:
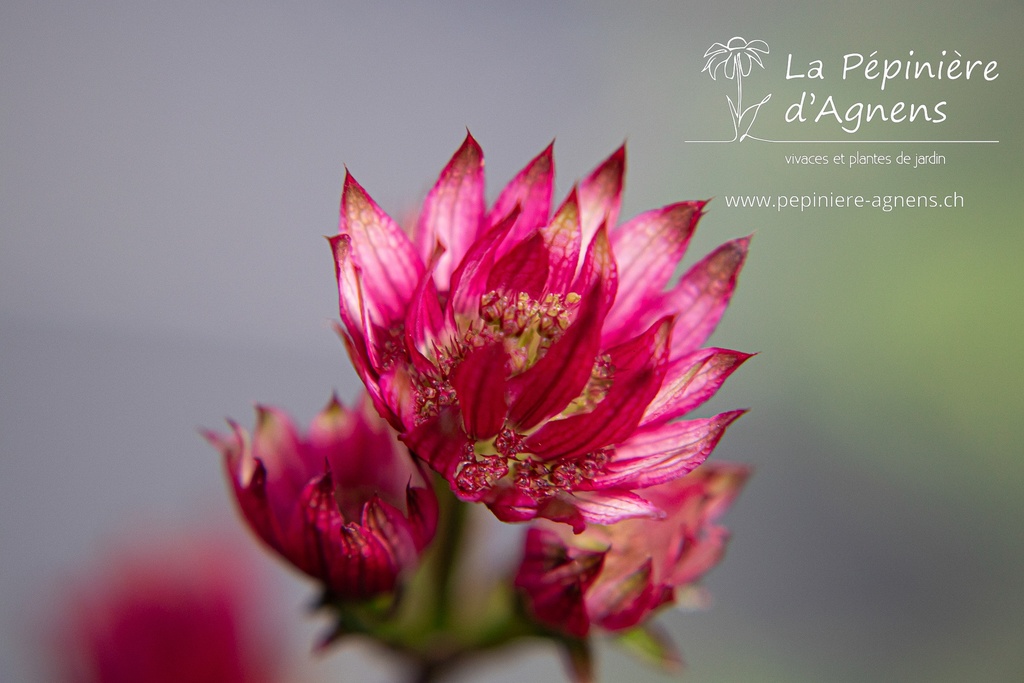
column 421, row 506
column 370, row 378
column 656, row 455
column 639, row 369
column 424, row 321
column 453, row 211
column 344, row 524
column 384, row 522
column 390, row 267
column 349, row 558
column 360, row 564
column 625, row 600
column 690, row 381
column 349, row 288
column 563, row 240
column 440, row 441
column 554, row 577
column 310, row 528
column 479, row 383
column 511, row 505
column 523, row 269
column 613, row 505
column 469, row 281
column 275, row 443
column 601, row 194
column 700, row 499
column 647, row 250
column 363, row 337
column 703, row 294
column 599, row 266
column 560, row 375
column 251, row 496
column 531, row 190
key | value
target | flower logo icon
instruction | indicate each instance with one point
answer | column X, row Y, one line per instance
column 736, row 60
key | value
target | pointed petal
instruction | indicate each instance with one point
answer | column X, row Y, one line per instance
column 315, row 513
column 639, row 367
column 479, row 383
column 398, row 392
column 370, row 378
column 600, row 194
column 469, row 282
column 622, row 602
column 350, row 296
column 510, row 504
column 424, row 320
column 422, row 510
column 440, row 441
column 367, row 334
column 523, row 269
column 388, row 525
column 647, row 250
column 599, row 266
column 360, row 564
column 390, row 266
column 350, row 559
column 249, row 483
column 531, row 189
column 554, row 578
column 613, row 505
column 276, row 444
column 561, row 374
column 453, row 211
column 703, row 294
column 690, row 381
column 562, row 237
column 655, row 456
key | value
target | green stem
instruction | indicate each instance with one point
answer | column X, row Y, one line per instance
column 449, row 541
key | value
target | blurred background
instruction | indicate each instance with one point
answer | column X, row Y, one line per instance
column 167, row 171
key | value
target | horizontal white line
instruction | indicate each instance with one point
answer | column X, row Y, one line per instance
column 862, row 142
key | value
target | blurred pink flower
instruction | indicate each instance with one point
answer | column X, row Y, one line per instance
column 537, row 361
column 181, row 614
column 615, row 576
column 346, row 504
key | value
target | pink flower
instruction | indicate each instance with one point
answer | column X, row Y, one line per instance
column 347, row 504
column 537, row 361
column 614, row 577
column 180, row 614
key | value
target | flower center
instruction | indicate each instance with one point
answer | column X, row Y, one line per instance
column 527, row 326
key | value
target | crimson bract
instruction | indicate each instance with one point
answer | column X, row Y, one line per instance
column 345, row 504
column 614, row 577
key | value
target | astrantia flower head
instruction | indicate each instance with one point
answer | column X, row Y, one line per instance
column 536, row 361
column 346, row 504
column 614, row 577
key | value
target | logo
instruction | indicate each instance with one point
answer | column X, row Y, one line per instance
column 736, row 59
column 907, row 90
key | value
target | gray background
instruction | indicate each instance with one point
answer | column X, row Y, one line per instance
column 168, row 170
